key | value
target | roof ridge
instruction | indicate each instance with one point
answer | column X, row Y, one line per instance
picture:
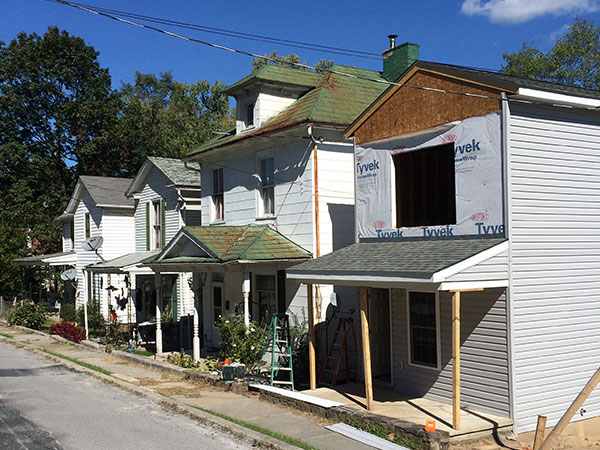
column 262, row 231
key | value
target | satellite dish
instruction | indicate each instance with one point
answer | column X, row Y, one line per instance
column 68, row 275
column 92, row 244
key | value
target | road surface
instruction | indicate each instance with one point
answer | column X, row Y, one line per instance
column 44, row 405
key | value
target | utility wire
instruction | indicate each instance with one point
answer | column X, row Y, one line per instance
column 232, row 33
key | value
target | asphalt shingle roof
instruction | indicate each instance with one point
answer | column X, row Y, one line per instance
column 123, row 261
column 333, row 100
column 107, row 190
column 411, row 257
column 180, row 172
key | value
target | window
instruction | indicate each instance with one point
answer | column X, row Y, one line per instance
column 267, row 187
column 157, row 224
column 425, row 187
column 217, row 197
column 249, row 115
column 72, row 235
column 423, row 329
column 267, row 298
column 88, row 226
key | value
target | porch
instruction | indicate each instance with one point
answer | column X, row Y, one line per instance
column 418, row 410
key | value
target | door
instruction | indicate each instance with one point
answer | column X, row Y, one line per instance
column 217, row 300
column 379, row 328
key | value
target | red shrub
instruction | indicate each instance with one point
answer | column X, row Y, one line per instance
column 69, row 331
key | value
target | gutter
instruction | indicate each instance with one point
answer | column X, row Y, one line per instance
column 107, row 205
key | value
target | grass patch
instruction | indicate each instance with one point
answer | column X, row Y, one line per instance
column 274, row 434
column 140, row 352
column 78, row 362
column 8, row 336
column 379, row 431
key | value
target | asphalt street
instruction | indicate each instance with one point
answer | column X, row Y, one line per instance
column 44, row 405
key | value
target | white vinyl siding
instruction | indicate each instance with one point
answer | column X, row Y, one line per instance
column 554, row 167
column 68, row 236
column 484, row 352
column 493, row 269
column 118, row 233
column 156, row 188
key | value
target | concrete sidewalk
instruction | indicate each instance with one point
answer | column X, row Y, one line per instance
column 188, row 395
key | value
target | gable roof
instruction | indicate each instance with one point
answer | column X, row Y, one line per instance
column 336, row 100
column 232, row 243
column 502, row 82
column 180, row 173
column 106, row 192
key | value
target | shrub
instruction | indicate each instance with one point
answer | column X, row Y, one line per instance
column 299, row 338
column 182, row 360
column 68, row 313
column 96, row 320
column 69, row 331
column 241, row 344
column 30, row 315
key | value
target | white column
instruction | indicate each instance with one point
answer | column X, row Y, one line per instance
column 85, row 315
column 246, row 292
column 158, row 286
column 196, row 339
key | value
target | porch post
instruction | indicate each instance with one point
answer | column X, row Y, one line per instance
column 366, row 346
column 158, row 286
column 456, row 360
column 85, row 314
column 311, row 338
column 196, row 338
column 246, row 292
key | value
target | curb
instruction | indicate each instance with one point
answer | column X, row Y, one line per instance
column 242, row 433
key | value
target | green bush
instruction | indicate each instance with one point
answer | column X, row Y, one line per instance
column 30, row 315
column 240, row 344
column 68, row 313
column 182, row 360
column 96, row 320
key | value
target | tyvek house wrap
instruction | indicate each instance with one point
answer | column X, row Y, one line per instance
column 478, row 172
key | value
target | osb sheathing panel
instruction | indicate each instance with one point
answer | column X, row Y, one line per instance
column 409, row 110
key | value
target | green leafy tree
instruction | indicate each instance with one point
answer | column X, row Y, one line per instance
column 574, row 59
column 163, row 117
column 290, row 60
column 55, row 99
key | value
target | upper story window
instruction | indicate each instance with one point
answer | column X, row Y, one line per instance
column 88, row 225
column 218, row 201
column 267, row 187
column 157, row 224
column 250, row 115
column 425, row 187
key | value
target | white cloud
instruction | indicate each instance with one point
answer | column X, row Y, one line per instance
column 518, row 11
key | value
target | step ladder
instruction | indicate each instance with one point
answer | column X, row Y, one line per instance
column 278, row 343
column 339, row 350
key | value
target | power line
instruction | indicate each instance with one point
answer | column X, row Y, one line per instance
column 232, row 33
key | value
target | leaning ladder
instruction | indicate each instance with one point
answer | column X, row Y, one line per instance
column 340, row 350
column 278, row 343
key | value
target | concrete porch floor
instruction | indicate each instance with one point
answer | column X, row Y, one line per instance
column 474, row 424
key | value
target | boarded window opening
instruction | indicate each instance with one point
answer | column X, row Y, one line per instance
column 425, row 187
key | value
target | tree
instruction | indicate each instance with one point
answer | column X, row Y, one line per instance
column 290, row 60
column 574, row 59
column 55, row 100
column 163, row 117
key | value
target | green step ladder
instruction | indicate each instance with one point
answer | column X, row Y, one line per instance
column 278, row 343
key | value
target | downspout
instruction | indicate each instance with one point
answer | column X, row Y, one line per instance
column 506, row 193
column 318, row 297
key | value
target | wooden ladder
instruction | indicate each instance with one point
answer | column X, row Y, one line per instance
column 340, row 350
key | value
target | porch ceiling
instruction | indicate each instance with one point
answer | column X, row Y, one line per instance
column 413, row 261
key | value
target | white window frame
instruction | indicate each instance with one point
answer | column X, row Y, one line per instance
column 87, row 225
column 213, row 198
column 260, row 207
column 438, row 367
column 247, row 107
column 156, row 225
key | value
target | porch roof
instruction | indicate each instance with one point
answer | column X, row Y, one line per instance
column 51, row 259
column 118, row 265
column 226, row 244
column 416, row 261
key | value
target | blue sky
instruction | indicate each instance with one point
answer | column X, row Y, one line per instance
column 466, row 32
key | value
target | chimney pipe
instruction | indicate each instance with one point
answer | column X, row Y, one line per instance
column 392, row 38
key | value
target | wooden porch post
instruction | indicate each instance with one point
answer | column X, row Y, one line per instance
column 456, row 360
column 366, row 346
column 311, row 339
column 158, row 286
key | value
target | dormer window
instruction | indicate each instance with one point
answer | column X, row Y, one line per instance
column 250, row 115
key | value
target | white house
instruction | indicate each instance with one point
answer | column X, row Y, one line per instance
column 286, row 165
column 477, row 235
